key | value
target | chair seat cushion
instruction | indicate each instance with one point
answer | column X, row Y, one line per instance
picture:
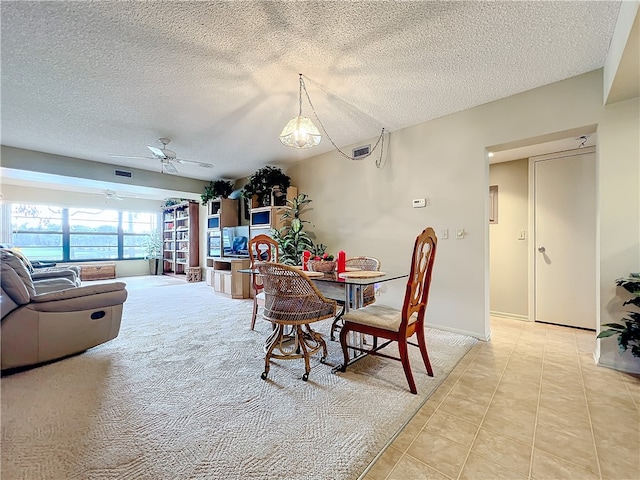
column 380, row 316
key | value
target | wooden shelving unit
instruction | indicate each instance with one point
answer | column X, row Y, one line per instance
column 180, row 238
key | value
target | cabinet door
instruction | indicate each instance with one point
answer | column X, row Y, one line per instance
column 227, row 283
column 217, row 281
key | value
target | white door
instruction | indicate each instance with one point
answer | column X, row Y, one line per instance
column 565, row 238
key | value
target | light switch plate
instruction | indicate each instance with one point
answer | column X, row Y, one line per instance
column 419, row 202
column 445, row 234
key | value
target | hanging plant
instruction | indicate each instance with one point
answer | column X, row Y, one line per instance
column 216, row 189
column 263, row 181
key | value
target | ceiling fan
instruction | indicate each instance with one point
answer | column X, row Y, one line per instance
column 107, row 194
column 167, row 157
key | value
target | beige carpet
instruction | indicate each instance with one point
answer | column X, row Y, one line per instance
column 178, row 395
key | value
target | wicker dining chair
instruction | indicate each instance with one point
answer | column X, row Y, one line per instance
column 369, row 292
column 292, row 303
column 398, row 325
column 262, row 248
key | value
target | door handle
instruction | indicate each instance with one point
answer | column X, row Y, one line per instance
column 541, row 249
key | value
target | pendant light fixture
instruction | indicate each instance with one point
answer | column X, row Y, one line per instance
column 300, row 132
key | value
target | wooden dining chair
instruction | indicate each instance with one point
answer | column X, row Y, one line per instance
column 262, row 248
column 292, row 303
column 396, row 325
column 369, row 292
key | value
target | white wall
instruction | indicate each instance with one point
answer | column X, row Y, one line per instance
column 508, row 254
column 619, row 185
column 365, row 210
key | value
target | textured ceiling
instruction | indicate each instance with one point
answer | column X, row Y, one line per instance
column 94, row 79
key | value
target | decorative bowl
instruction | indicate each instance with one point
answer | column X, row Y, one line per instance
column 324, row 266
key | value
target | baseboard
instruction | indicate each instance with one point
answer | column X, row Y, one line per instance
column 484, row 338
column 512, row 316
column 633, row 368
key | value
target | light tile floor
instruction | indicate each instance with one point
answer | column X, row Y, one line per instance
column 528, row 404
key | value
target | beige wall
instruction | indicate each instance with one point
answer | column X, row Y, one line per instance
column 508, row 255
column 365, row 210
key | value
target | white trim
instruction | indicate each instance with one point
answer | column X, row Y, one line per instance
column 512, row 316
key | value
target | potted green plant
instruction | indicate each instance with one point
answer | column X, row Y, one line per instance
column 264, row 181
column 216, row 189
column 153, row 252
column 293, row 239
column 628, row 332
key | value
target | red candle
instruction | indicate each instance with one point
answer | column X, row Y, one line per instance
column 305, row 258
column 342, row 261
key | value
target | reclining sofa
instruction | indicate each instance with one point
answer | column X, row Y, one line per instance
column 42, row 324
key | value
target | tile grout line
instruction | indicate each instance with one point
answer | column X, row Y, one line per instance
column 404, row 452
column 535, row 422
column 466, row 459
column 586, row 401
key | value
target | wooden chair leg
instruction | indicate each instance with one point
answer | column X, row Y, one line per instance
column 422, row 344
column 305, row 353
column 343, row 343
column 255, row 313
column 403, row 349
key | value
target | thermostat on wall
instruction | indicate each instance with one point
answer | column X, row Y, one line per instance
column 419, row 202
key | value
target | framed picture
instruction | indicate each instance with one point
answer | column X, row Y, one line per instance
column 493, row 204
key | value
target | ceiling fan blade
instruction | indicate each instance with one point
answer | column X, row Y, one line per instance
column 169, row 167
column 157, row 151
column 132, row 156
column 200, row 164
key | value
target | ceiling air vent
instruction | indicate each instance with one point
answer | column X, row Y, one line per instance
column 123, row 173
column 361, row 152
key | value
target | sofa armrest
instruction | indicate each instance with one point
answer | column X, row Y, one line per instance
column 80, row 298
column 61, row 273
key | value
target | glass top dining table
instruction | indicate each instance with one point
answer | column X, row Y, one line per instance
column 343, row 287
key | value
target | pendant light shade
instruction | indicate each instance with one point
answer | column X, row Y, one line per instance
column 300, row 132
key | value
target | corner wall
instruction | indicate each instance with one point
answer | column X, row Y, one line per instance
column 509, row 269
column 367, row 211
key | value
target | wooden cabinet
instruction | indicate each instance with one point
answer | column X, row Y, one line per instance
column 263, row 219
column 181, row 237
column 221, row 213
column 222, row 273
column 223, row 276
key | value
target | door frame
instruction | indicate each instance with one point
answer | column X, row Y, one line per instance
column 532, row 222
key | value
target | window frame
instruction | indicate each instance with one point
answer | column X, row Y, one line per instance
column 67, row 235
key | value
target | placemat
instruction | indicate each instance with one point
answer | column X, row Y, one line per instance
column 314, row 274
column 361, row 274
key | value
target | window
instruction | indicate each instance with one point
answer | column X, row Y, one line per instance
column 37, row 230
column 93, row 234
column 136, row 226
column 75, row 234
